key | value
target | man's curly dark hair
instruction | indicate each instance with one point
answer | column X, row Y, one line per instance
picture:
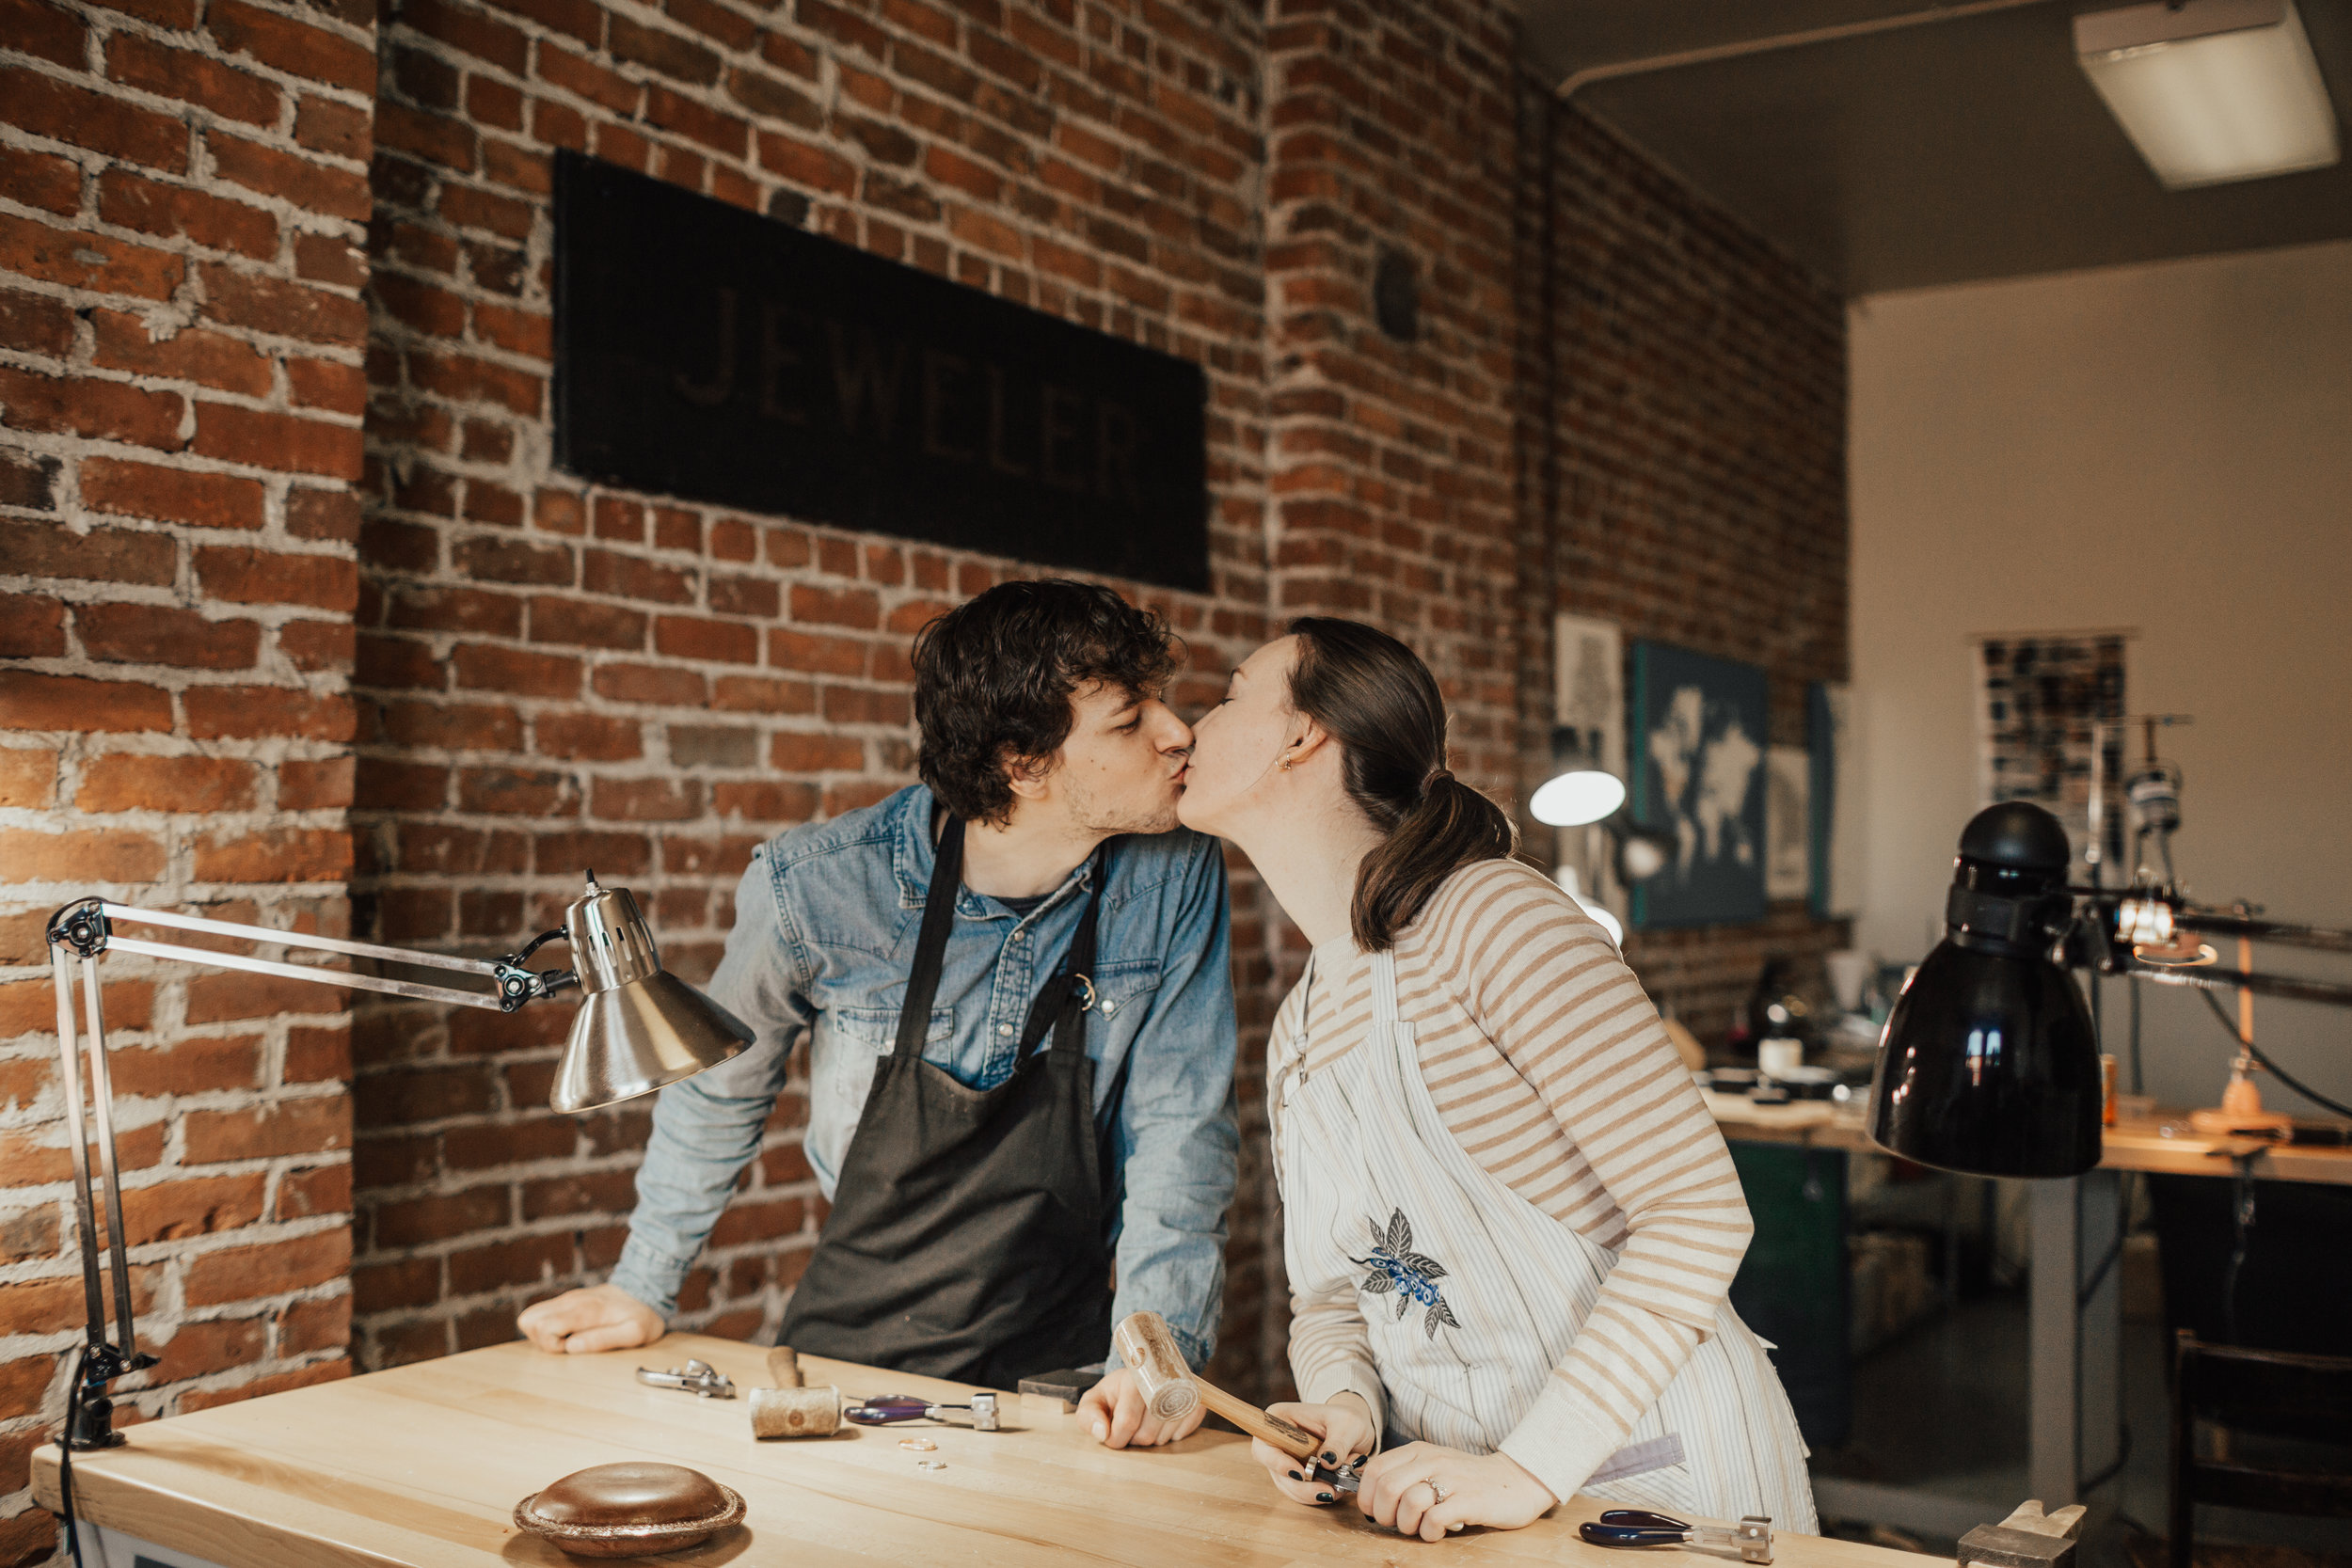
column 993, row 678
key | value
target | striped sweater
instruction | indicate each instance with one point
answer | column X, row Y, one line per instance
column 1549, row 1065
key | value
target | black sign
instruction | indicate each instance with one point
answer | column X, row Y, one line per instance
column 706, row 352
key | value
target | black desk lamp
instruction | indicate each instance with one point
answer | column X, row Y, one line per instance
column 1989, row 1062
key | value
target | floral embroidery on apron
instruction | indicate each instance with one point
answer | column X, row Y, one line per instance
column 1397, row 1269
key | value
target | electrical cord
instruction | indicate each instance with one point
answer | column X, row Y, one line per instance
column 2122, row 1457
column 2273, row 1069
column 2241, row 1233
column 65, row 1455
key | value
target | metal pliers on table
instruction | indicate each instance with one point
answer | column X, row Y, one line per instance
column 1752, row 1537
column 697, row 1377
column 890, row 1409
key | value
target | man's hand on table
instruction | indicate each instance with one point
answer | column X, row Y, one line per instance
column 580, row 1323
column 1117, row 1413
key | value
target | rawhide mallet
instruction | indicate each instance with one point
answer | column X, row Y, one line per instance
column 1171, row 1390
column 790, row 1410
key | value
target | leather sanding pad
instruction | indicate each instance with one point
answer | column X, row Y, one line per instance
column 630, row 1510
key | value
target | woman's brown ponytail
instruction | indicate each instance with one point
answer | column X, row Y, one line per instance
column 1378, row 700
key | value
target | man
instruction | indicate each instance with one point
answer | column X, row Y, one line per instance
column 1014, row 977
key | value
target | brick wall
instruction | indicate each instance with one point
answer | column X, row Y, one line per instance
column 181, row 198
column 550, row 677
column 555, row 678
column 1682, row 451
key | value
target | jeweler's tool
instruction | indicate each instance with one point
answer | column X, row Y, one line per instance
column 695, row 1377
column 1751, row 1538
column 890, row 1409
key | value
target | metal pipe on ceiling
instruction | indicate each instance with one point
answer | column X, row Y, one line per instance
column 1575, row 81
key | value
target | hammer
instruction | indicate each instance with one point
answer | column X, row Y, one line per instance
column 790, row 1410
column 1171, row 1390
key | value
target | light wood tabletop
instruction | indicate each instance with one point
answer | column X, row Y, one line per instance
column 423, row 1464
column 2163, row 1142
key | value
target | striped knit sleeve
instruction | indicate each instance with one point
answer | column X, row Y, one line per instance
column 1654, row 1182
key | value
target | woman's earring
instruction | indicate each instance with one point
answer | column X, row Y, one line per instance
column 1284, row 765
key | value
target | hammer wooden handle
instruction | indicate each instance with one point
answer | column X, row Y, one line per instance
column 1289, row 1436
column 784, row 1365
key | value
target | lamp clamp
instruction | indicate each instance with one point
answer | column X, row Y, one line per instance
column 81, row 928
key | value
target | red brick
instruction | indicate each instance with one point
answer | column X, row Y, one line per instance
column 463, row 378
column 815, row 654
column 525, row 1260
column 28, row 777
column 470, row 33
column 240, row 1274
column 324, row 384
column 139, row 62
column 173, row 495
column 796, row 751
column 332, row 192
column 293, row 47
column 323, row 515
column 695, row 637
column 585, row 623
column 134, row 202
column 285, row 309
column 190, row 1064
column 458, row 726
column 399, row 664
column 762, row 694
column 631, row 576
column 69, row 112
column 722, row 132
column 50, row 32
column 103, row 555
column 275, row 855
column 28, row 1233
column 33, row 249
column 313, row 1055
column 83, row 405
column 485, row 667
column 210, row 1345
column 437, row 138
column 31, row 701
column 386, row 784
column 313, row 1124
column 516, row 331
column 252, row 712
column 489, row 102
column 31, row 626
column 806, row 165
column 515, row 792
column 280, row 441
column 314, row 785
column 109, row 855
column 225, row 998
column 124, row 781
column 317, row 644
column 471, row 207
column 176, row 1211
column 40, row 179
column 404, row 1282
column 164, row 634
column 245, row 575
column 647, row 799
column 320, row 1189
column 587, row 79
column 858, row 608
column 494, row 558
column 179, row 15
column 55, row 1305
column 324, row 125
column 649, row 683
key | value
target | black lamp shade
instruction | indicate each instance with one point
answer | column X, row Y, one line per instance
column 1990, row 1065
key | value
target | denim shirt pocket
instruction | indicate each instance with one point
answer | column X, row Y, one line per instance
column 847, row 1045
column 1123, row 990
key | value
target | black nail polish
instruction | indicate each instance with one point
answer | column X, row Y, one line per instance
column 1331, row 1459
column 1295, row 1476
column 1322, row 1497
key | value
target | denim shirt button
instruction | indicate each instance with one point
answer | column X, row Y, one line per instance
column 1004, row 1028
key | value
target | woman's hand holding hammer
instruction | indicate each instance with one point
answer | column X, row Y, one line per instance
column 1346, row 1430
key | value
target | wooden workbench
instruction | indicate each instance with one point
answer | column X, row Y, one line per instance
column 423, row 1464
column 2162, row 1142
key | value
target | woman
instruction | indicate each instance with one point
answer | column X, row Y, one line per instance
column 1509, row 1222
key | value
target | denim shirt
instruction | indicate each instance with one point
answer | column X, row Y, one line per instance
column 826, row 920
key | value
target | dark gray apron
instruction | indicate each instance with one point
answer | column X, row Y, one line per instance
column 969, row 1237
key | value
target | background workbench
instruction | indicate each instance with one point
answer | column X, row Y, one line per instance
column 423, row 1464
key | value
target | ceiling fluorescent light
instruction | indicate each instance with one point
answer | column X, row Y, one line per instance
column 2212, row 91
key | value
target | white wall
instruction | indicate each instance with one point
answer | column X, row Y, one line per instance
column 2167, row 448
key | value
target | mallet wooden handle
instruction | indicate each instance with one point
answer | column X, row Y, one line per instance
column 1171, row 1388
column 784, row 1365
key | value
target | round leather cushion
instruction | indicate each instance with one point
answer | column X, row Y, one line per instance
column 630, row 1494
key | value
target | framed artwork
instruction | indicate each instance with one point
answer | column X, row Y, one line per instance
column 1839, row 797
column 1787, row 822
column 2045, row 702
column 1588, row 683
column 1699, row 727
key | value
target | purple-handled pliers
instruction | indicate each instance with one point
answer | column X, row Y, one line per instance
column 1752, row 1537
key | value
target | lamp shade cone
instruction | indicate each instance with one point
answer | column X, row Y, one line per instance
column 639, row 1026
column 635, row 1038
column 1990, row 1064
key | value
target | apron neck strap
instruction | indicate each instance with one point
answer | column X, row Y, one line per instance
column 1063, row 1002
column 931, row 947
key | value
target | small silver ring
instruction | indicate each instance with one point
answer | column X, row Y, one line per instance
column 1087, row 1005
column 1437, row 1491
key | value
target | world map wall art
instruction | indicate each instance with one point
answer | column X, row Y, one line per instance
column 1696, row 753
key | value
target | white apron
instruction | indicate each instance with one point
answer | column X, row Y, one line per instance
column 1374, row 1186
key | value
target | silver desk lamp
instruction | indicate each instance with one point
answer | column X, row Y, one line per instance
column 639, row 1027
